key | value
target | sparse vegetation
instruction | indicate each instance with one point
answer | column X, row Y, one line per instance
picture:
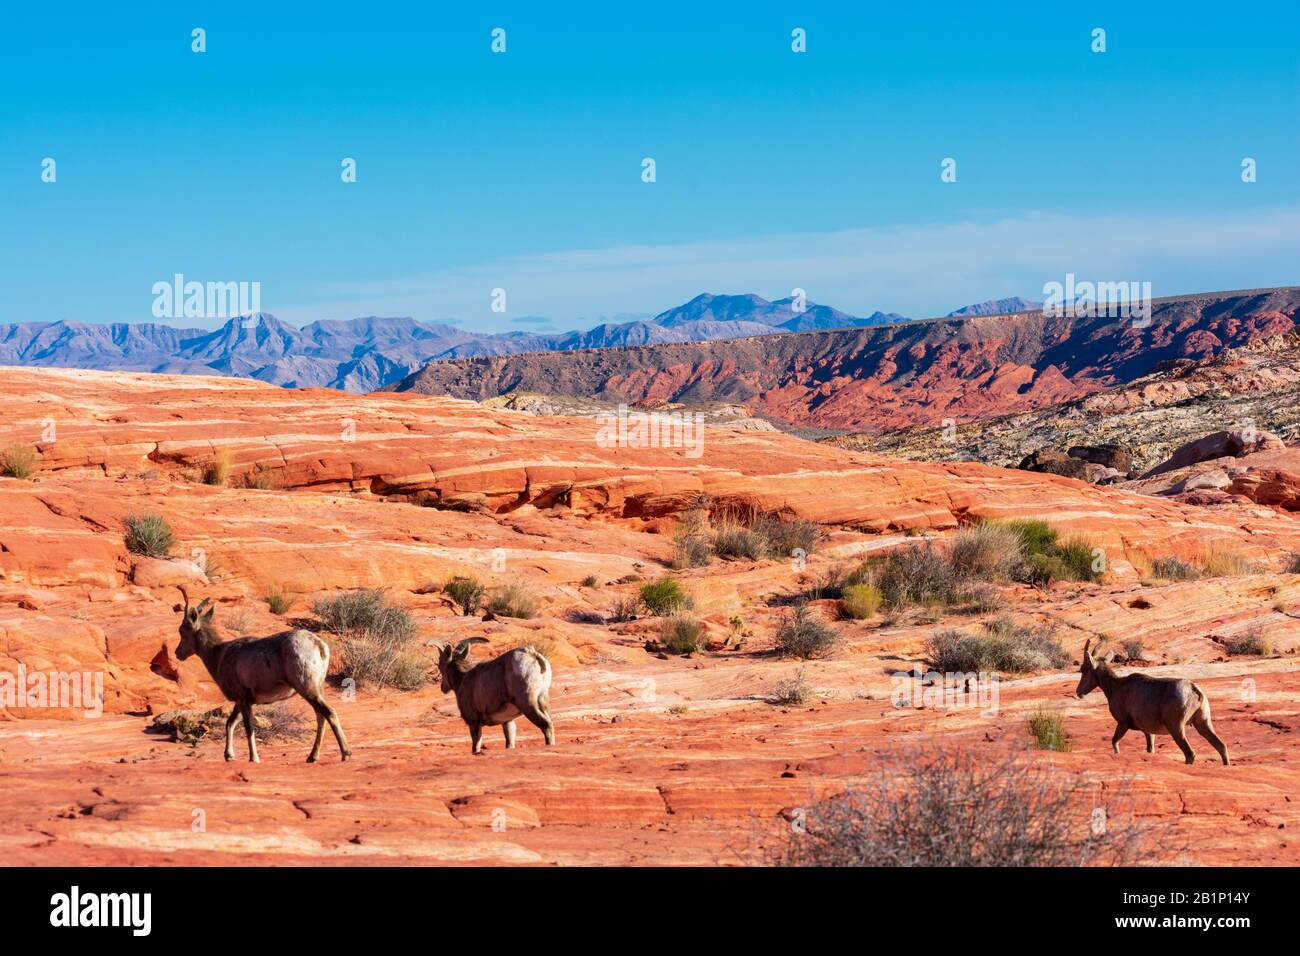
column 279, row 722
column 624, row 610
column 149, row 535
column 1132, row 649
column 278, row 599
column 785, row 538
column 237, row 620
column 664, row 596
column 987, row 551
column 1254, row 642
column 1223, row 562
column 467, row 592
column 859, row 602
column 960, row 808
column 1001, row 645
column 694, row 548
column 793, row 691
column 591, row 581
column 18, row 461
column 373, row 634
column 801, row 635
column 1049, row 730
column 217, row 471
column 918, row 574
column 735, row 540
column 260, row 479
column 1172, row 569
column 681, row 634
column 513, row 600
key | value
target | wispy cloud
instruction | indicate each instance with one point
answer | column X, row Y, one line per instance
column 919, row 271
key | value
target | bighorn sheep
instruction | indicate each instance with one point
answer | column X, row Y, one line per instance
column 497, row 691
column 259, row 670
column 1153, row 705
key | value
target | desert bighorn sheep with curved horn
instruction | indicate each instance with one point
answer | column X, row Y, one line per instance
column 1153, row 705
column 259, row 670
column 497, row 691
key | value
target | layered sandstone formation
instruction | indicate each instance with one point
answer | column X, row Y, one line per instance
column 677, row 759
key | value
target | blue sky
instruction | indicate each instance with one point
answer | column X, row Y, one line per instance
column 522, row 170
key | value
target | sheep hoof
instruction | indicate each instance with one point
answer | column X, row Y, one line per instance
column 346, row 755
column 229, row 757
column 312, row 759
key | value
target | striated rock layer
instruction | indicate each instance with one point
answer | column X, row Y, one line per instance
column 659, row 759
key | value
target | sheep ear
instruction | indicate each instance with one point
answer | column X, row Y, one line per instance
column 207, row 615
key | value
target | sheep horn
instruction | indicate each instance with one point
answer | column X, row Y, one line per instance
column 181, row 588
column 462, row 647
column 1086, row 645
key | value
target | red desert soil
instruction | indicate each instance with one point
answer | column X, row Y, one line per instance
column 677, row 760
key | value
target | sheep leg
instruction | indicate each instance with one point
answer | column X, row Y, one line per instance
column 1151, row 743
column 320, row 735
column 539, row 715
column 1201, row 721
column 476, row 737
column 1120, row 730
column 247, row 708
column 230, row 731
column 332, row 716
column 1180, row 738
column 508, row 728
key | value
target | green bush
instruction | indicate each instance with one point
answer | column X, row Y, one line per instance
column 801, row 635
column 1049, row 730
column 664, row 596
column 277, row 599
column 1003, row 645
column 1045, row 569
column 860, row 601
column 1036, row 537
column 1076, row 554
column 467, row 592
column 148, row 534
column 681, row 634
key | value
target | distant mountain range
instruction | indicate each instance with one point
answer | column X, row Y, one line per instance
column 891, row 375
column 365, row 354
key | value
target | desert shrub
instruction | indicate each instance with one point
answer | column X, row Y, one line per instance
column 148, row 534
column 1044, row 569
column 237, row 620
column 467, row 592
column 664, row 596
column 1171, row 569
column 279, row 722
column 373, row 634
column 786, row 537
column 1001, row 645
column 18, row 461
column 981, row 598
column 694, row 546
column 860, row 601
column 1254, row 642
column 591, row 581
column 1049, row 730
column 1223, row 562
column 988, row 551
column 918, row 574
column 624, row 610
column 801, row 635
column 1133, row 649
column 259, row 479
column 1036, row 537
column 1076, row 554
column 278, row 599
column 217, row 471
column 681, row 634
column 965, row 808
column 734, row 540
column 513, row 600
column 793, row 691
